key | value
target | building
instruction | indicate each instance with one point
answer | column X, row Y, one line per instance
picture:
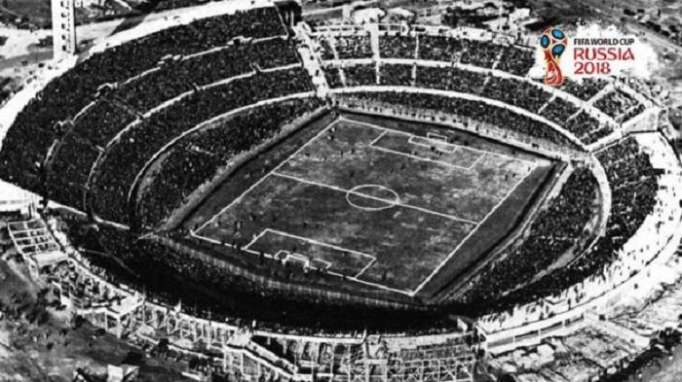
column 63, row 28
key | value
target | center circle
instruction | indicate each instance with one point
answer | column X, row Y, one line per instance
column 372, row 197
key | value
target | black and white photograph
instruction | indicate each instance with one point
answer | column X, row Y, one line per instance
column 340, row 191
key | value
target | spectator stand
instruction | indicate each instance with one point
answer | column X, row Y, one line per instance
column 565, row 104
column 269, row 83
column 259, row 51
column 467, row 96
column 585, row 88
column 134, row 186
column 334, row 77
column 399, row 44
column 282, row 351
column 630, row 258
column 615, row 102
column 169, row 103
column 69, row 127
column 387, row 63
column 118, row 63
column 31, row 88
column 599, row 173
column 634, row 268
column 184, row 16
column 173, row 74
column 644, row 115
column 348, row 99
column 627, row 110
column 359, row 73
column 304, row 109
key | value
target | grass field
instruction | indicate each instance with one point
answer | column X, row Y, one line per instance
column 378, row 205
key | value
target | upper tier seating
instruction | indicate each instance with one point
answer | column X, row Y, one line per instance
column 478, row 111
column 197, row 157
column 616, row 103
column 175, row 78
column 35, row 128
column 397, row 47
column 125, row 158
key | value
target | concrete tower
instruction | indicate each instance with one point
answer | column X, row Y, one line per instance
column 63, row 28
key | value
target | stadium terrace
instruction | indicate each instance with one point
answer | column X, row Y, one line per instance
column 317, row 201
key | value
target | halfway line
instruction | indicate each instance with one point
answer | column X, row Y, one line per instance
column 335, row 188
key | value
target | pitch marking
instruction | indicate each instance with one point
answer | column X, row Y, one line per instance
column 262, row 179
column 452, row 253
column 355, row 278
column 316, row 242
column 372, row 260
column 340, row 189
column 422, row 159
column 376, row 127
column 439, row 144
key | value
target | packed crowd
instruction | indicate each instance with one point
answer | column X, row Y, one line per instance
column 173, row 274
column 514, row 92
column 176, row 77
column 585, row 88
column 516, row 60
column 396, row 75
column 580, row 123
column 354, row 47
column 484, row 54
column 35, row 128
column 229, row 297
column 615, row 103
column 67, row 173
column 136, row 146
column 631, row 113
column 476, row 110
column 556, row 230
column 333, row 76
column 359, row 75
column 196, row 158
column 633, row 183
column 587, row 128
column 106, row 248
column 100, row 123
column 450, row 78
column 397, row 46
column 69, row 165
column 479, row 53
column 347, row 47
column 517, row 93
column 438, row 48
column 559, row 110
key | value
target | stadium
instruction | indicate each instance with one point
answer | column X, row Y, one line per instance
column 316, row 202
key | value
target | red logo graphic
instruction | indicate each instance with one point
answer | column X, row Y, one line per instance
column 553, row 41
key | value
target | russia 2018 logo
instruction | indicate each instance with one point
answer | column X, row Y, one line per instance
column 590, row 51
column 553, row 42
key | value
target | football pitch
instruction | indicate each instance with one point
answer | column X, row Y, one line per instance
column 372, row 204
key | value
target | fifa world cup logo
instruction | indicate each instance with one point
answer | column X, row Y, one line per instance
column 553, row 42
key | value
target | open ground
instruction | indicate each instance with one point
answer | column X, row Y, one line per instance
column 374, row 204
